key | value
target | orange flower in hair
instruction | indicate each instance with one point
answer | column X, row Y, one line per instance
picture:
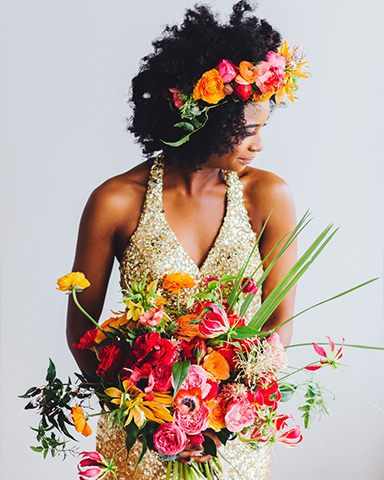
column 210, row 87
column 247, row 71
column 174, row 282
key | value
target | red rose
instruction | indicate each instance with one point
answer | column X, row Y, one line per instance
column 129, row 363
column 87, row 340
column 144, row 344
column 243, row 92
column 163, row 378
column 195, row 439
column 163, row 353
column 111, row 359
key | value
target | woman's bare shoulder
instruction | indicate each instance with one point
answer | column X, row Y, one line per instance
column 265, row 192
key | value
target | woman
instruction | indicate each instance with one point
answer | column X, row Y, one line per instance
column 196, row 208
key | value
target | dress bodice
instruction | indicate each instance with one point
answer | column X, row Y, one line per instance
column 154, row 249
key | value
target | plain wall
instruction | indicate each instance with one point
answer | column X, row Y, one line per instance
column 65, row 76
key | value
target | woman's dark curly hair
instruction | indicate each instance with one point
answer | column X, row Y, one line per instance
column 180, row 57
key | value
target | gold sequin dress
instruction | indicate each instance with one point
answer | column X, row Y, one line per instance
column 154, row 249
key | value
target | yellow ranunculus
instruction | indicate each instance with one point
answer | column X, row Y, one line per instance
column 73, row 279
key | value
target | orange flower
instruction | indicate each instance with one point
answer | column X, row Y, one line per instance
column 186, row 330
column 210, row 87
column 247, row 71
column 115, row 322
column 174, row 282
column 216, row 413
column 73, row 279
column 216, row 365
column 81, row 424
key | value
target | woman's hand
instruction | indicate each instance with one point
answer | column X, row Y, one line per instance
column 195, row 452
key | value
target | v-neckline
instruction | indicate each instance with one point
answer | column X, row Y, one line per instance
column 219, row 232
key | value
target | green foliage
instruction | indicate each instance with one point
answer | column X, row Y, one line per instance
column 315, row 404
column 180, row 372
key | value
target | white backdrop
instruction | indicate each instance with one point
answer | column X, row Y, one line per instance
column 65, row 75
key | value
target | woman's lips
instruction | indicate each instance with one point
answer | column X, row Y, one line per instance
column 246, row 161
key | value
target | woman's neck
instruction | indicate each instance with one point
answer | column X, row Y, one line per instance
column 177, row 174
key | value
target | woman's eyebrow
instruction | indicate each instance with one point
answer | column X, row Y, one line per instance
column 254, row 125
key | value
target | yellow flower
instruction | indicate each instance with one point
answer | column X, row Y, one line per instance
column 174, row 282
column 137, row 408
column 73, row 279
column 81, row 424
column 134, row 310
column 293, row 70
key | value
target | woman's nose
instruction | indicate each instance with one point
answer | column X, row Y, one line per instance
column 256, row 145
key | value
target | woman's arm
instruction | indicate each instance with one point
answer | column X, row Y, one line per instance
column 271, row 195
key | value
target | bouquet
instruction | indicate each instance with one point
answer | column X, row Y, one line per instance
column 171, row 371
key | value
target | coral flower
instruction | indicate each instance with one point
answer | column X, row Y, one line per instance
column 216, row 413
column 152, row 317
column 73, row 280
column 210, row 87
column 174, row 282
column 81, row 424
column 188, row 401
column 136, row 407
column 216, row 365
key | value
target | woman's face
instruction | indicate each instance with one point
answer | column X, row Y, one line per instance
column 256, row 114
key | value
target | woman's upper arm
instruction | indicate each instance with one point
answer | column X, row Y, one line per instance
column 275, row 198
column 94, row 257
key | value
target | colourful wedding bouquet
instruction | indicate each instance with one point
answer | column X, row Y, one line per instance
column 169, row 374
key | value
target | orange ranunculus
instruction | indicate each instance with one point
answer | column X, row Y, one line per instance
column 216, row 413
column 81, row 424
column 210, row 87
column 174, row 282
column 185, row 330
column 247, row 71
column 73, row 279
column 216, row 365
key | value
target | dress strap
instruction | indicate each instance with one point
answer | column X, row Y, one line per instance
column 154, row 196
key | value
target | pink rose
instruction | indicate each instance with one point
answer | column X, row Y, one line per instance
column 249, row 287
column 162, row 375
column 197, row 377
column 152, row 317
column 170, row 439
column 176, row 97
column 227, row 70
column 279, row 355
column 242, row 92
column 276, row 60
column 239, row 414
column 268, row 78
column 194, row 423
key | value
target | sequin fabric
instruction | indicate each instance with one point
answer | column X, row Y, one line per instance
column 154, row 250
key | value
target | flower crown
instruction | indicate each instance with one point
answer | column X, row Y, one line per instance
column 278, row 76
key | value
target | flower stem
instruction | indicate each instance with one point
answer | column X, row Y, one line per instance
column 73, row 291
